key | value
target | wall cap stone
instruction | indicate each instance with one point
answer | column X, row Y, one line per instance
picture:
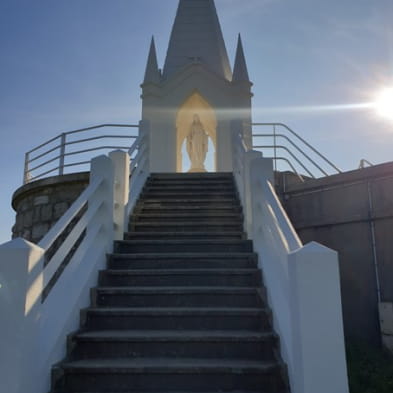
column 35, row 186
column 354, row 176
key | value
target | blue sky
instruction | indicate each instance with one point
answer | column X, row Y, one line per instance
column 75, row 63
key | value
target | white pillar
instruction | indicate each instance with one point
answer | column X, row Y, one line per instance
column 258, row 170
column 386, row 323
column 121, row 163
column 255, row 159
column 102, row 166
column 21, row 265
column 319, row 363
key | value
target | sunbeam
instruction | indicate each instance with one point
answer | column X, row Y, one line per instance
column 384, row 103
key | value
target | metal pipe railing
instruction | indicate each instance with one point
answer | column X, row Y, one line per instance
column 364, row 163
column 281, row 147
column 43, row 159
column 308, row 158
column 299, row 149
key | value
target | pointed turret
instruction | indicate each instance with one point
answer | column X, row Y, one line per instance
column 152, row 73
column 197, row 38
column 240, row 72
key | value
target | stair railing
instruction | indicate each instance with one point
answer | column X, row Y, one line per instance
column 139, row 168
column 299, row 155
column 364, row 163
column 302, row 282
column 70, row 150
column 242, row 157
column 43, row 287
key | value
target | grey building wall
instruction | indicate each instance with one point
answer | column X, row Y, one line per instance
column 353, row 214
column 39, row 204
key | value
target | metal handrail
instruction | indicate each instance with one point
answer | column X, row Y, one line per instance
column 292, row 167
column 62, row 146
column 301, row 139
column 275, row 146
column 363, row 163
column 295, row 146
column 281, row 147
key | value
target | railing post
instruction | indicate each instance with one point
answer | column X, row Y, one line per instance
column 26, row 175
column 121, row 163
column 318, row 363
column 144, row 132
column 258, row 169
column 21, row 265
column 140, row 173
column 237, row 158
column 249, row 157
column 62, row 153
column 236, row 129
column 102, row 166
column 275, row 147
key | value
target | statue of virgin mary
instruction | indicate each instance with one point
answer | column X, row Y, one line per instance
column 197, row 145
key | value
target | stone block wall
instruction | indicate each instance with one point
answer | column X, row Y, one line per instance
column 39, row 205
column 352, row 213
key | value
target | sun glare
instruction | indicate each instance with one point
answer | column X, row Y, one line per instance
column 384, row 103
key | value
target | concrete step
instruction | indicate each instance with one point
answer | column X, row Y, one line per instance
column 181, row 277
column 177, row 297
column 187, row 209
column 210, row 195
column 191, row 182
column 188, row 217
column 188, row 202
column 141, row 374
column 176, row 318
column 173, row 226
column 196, row 186
column 167, row 391
column 183, row 261
column 188, row 176
column 132, row 344
column 186, row 245
column 183, row 235
column 181, row 307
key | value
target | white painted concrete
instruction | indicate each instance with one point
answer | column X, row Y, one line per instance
column 303, row 283
column 140, row 167
column 318, row 360
column 386, row 322
column 121, row 164
column 274, row 238
column 20, row 266
column 183, row 77
column 34, row 330
column 198, row 41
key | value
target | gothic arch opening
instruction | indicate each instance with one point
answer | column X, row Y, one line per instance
column 195, row 105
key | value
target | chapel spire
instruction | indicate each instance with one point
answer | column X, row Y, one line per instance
column 152, row 73
column 240, row 71
column 197, row 38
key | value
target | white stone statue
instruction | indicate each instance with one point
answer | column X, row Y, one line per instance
column 197, row 145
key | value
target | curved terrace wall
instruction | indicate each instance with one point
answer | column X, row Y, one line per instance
column 39, row 204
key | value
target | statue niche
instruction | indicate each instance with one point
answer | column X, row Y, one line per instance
column 197, row 145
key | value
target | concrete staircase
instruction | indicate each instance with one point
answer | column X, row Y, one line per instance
column 181, row 306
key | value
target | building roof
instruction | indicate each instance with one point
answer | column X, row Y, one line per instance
column 240, row 71
column 152, row 73
column 197, row 38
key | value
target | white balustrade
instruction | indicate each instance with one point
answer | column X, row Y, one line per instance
column 40, row 299
column 42, row 290
column 140, row 166
column 303, row 282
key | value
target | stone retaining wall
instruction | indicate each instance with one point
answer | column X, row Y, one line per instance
column 40, row 204
column 352, row 213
